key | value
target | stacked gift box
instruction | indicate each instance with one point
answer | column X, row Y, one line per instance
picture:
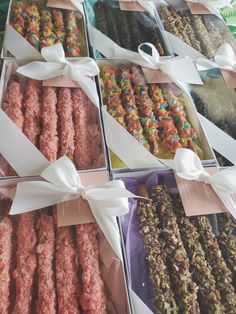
column 117, row 149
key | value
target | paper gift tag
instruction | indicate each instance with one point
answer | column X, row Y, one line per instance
column 60, row 81
column 198, row 8
column 156, row 76
column 65, row 4
column 199, row 198
column 230, row 78
column 78, row 211
column 127, row 5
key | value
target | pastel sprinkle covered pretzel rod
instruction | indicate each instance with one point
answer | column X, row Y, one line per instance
column 133, row 123
column 93, row 298
column 26, row 263
column 59, row 26
column 66, row 125
column 19, row 17
column 145, row 108
column 46, row 302
column 72, row 35
column 48, row 37
column 184, row 287
column 33, row 25
column 49, row 136
column 5, row 263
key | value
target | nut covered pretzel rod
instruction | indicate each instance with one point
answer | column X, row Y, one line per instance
column 49, row 138
column 222, row 274
column 173, row 23
column 149, row 223
column 33, row 111
column 93, row 298
column 66, row 125
column 145, row 108
column 167, row 131
column 186, row 20
column 5, row 264
column 83, row 155
column 48, row 37
column 203, row 36
column 26, row 263
column 216, row 38
column 227, row 242
column 67, row 284
column 33, row 25
column 46, row 302
column 184, row 287
column 112, row 93
column 209, row 295
column 19, row 17
column 72, row 35
column 131, row 112
column 59, row 26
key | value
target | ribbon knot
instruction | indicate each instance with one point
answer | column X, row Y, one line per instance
column 81, row 71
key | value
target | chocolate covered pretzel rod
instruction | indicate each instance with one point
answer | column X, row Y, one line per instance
column 66, row 125
column 48, row 37
column 49, row 137
column 209, row 295
column 167, row 131
column 184, row 287
column 33, row 111
column 222, row 274
column 131, row 113
column 46, row 302
column 145, row 108
column 26, row 263
column 100, row 16
column 33, row 25
column 112, row 94
column 67, row 284
column 5, row 264
column 122, row 20
column 149, row 224
column 72, row 35
column 136, row 31
column 59, row 26
column 93, row 298
column 112, row 28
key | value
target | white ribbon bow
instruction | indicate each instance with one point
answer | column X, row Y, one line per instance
column 82, row 70
column 188, row 166
column 225, row 59
column 213, row 5
column 64, row 184
column 178, row 68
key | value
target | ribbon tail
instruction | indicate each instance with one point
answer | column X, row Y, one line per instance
column 35, row 195
column 227, row 200
column 89, row 87
column 108, row 226
column 41, row 70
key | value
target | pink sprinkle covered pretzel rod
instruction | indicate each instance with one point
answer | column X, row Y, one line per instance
column 26, row 263
column 66, row 273
column 45, row 249
column 5, row 263
column 93, row 298
column 49, row 138
column 33, row 111
column 66, row 133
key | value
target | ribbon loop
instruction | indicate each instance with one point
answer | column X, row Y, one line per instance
column 82, row 70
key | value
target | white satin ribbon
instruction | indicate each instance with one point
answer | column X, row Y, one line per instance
column 213, row 5
column 63, row 184
column 78, row 4
column 82, row 70
column 188, row 166
column 178, row 68
column 225, row 59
